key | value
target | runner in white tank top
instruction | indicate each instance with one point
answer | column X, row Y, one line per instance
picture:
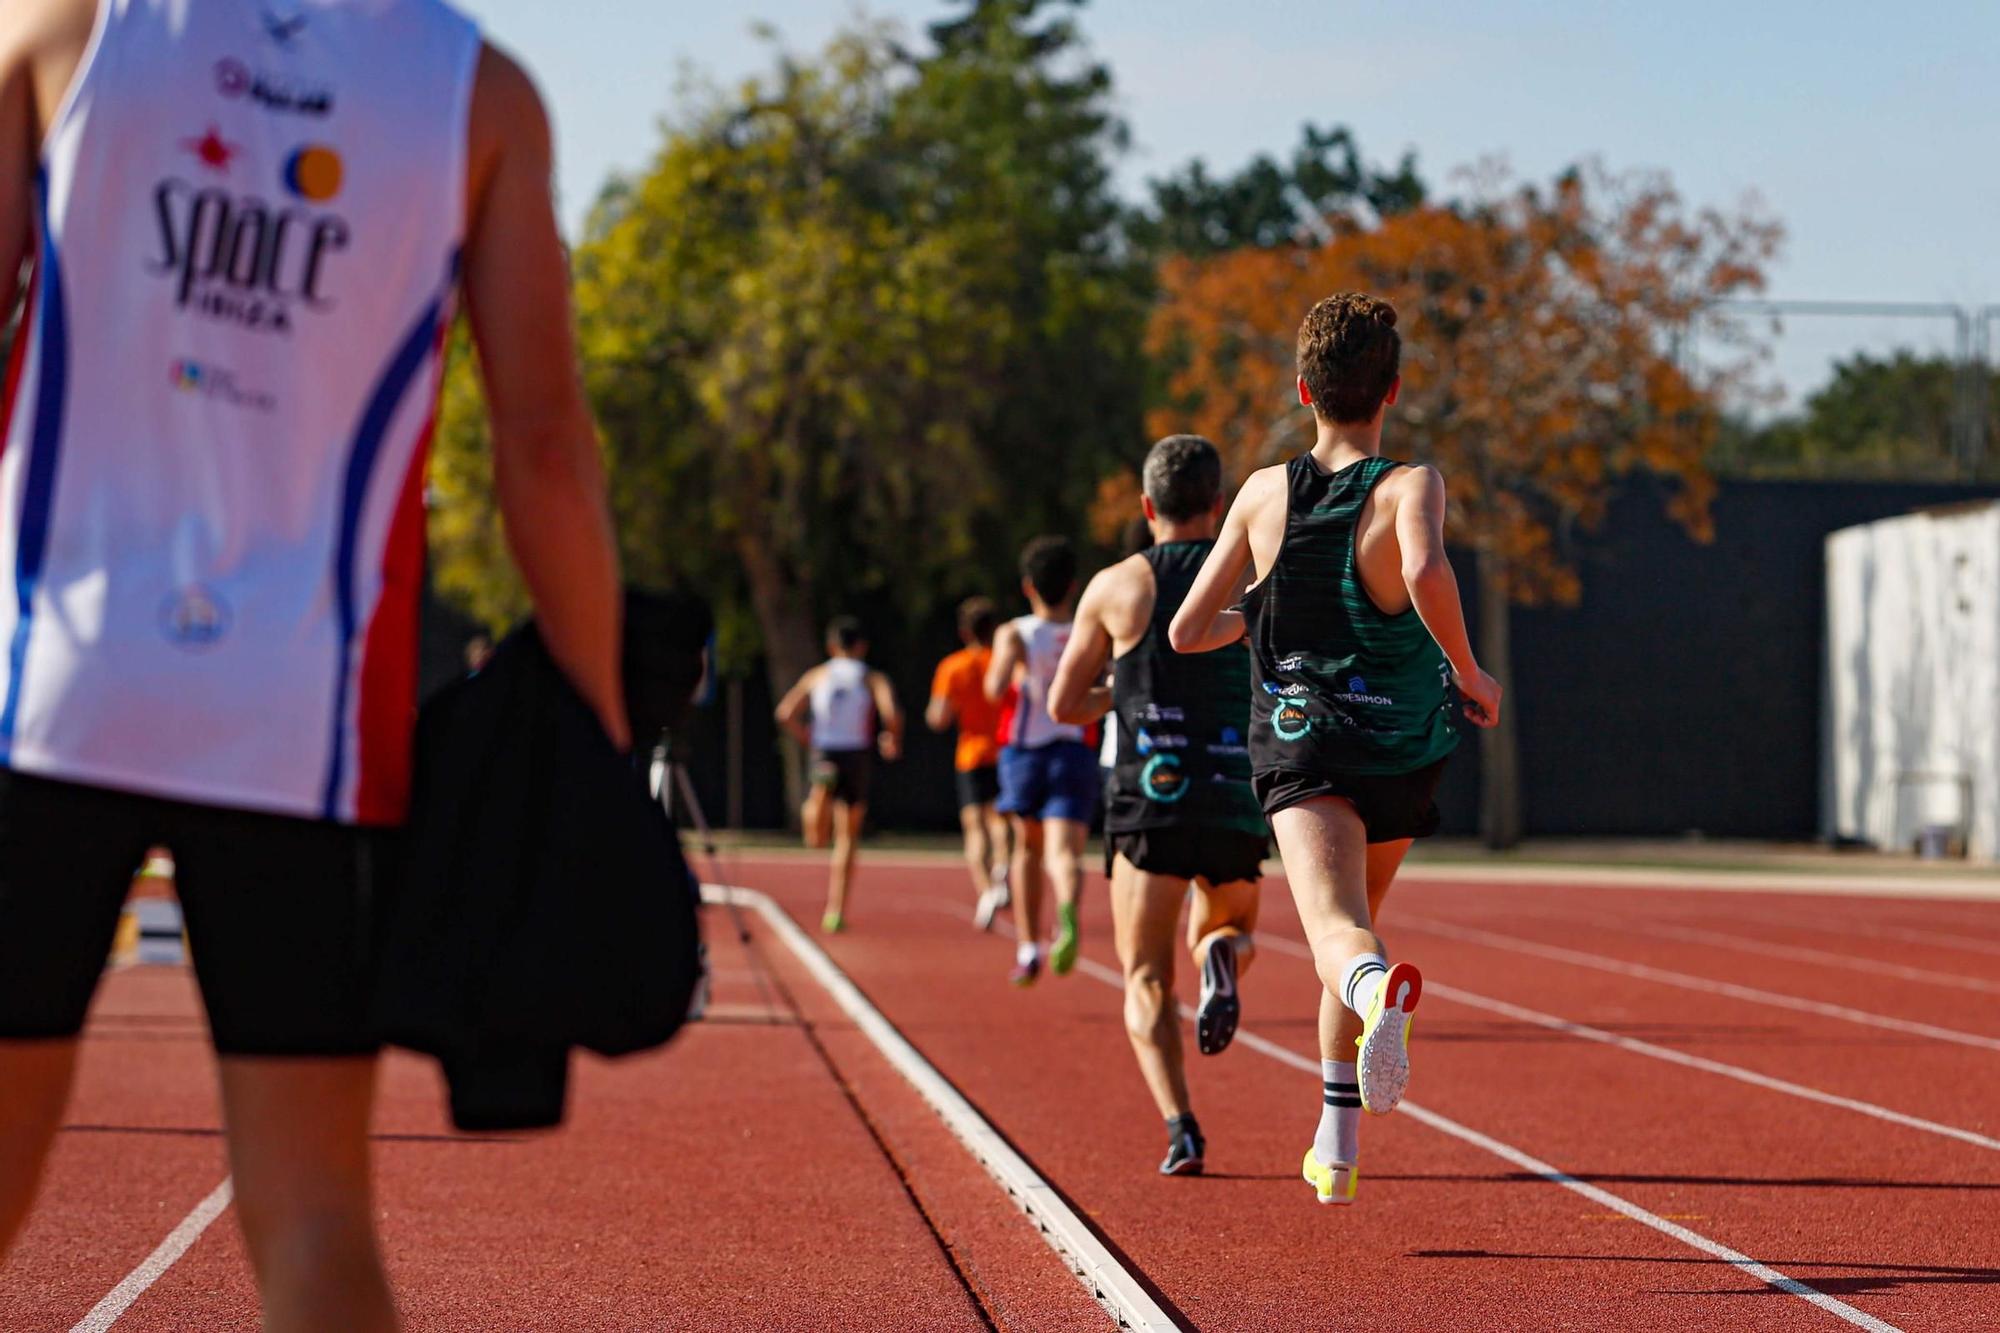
column 211, row 491
column 244, row 219
column 842, row 712
column 1042, row 642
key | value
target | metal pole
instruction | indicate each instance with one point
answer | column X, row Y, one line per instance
column 736, row 752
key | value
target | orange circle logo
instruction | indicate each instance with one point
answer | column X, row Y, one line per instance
column 315, row 173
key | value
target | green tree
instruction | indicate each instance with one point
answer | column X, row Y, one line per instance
column 1879, row 417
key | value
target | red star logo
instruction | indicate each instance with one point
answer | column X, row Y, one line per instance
column 215, row 152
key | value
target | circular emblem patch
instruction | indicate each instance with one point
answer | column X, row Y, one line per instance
column 1162, row 779
column 1290, row 721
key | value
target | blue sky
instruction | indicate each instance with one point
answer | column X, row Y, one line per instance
column 1867, row 129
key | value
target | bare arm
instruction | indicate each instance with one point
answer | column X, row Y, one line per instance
column 888, row 714
column 1006, row 656
column 41, row 44
column 1204, row 622
column 1078, row 694
column 1427, row 573
column 547, row 472
column 941, row 712
column 791, row 710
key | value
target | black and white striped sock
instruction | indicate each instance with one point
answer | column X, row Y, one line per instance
column 1339, row 1136
column 1362, row 980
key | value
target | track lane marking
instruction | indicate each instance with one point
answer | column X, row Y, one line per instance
column 155, row 1265
column 1907, row 934
column 1798, row 953
column 1586, row 1032
column 1687, row 981
column 1114, row 1287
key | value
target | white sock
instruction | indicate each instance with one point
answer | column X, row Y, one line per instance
column 1339, row 1136
column 1027, row 952
column 1362, row 980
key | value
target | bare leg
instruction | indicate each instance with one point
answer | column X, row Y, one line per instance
column 1027, row 878
column 298, row 1149
column 847, row 820
column 816, row 815
column 1002, row 835
column 35, row 1079
column 978, row 847
column 1326, row 860
column 1384, row 860
column 1223, row 911
column 1144, row 911
column 1065, row 841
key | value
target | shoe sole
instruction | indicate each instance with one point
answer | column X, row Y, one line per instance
column 1382, row 1062
column 1216, row 1019
column 1191, row 1167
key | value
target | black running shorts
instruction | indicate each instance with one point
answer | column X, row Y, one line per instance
column 1220, row 856
column 978, row 786
column 1392, row 806
column 846, row 774
column 277, row 914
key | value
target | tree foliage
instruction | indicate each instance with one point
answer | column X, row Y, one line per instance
column 863, row 324
column 1877, row 417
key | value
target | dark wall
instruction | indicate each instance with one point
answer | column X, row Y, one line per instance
column 1682, row 694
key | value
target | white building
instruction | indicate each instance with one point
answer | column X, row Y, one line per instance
column 1912, row 728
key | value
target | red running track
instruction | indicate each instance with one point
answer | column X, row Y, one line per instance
column 772, row 1170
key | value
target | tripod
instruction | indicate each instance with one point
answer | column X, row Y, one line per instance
column 673, row 788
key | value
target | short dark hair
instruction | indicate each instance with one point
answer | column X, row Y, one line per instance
column 845, row 633
column 1182, row 477
column 1049, row 566
column 1349, row 353
column 977, row 619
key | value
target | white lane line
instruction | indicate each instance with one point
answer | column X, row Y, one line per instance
column 1109, row 1282
column 1770, row 949
column 1771, row 1277
column 1811, row 883
column 1586, row 1032
column 1532, row 948
column 155, row 1265
column 1874, row 930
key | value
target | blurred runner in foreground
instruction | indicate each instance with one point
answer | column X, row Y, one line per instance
column 842, row 711
column 1179, row 812
column 1360, row 661
column 249, row 225
column 958, row 698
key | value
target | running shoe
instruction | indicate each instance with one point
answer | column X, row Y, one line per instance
column 991, row 904
column 1215, row 1020
column 1332, row 1184
column 1382, row 1059
column 1024, row 974
column 833, row 923
column 1185, row 1148
column 1062, row 954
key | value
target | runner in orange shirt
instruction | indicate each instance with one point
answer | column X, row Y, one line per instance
column 958, row 695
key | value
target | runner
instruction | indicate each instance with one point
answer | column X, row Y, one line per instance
column 1180, row 813
column 1048, row 774
column 246, row 224
column 853, row 712
column 1358, row 642
column 958, row 697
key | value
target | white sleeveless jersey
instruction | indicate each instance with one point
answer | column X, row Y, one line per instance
column 1042, row 644
column 843, row 710
column 211, row 493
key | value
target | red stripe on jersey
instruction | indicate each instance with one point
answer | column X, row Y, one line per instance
column 11, row 395
column 386, row 713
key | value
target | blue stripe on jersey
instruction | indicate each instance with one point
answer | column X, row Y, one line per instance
column 39, row 489
column 382, row 405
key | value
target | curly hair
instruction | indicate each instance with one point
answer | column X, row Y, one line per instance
column 1349, row 352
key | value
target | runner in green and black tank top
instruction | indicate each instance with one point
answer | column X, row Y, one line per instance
column 1340, row 685
column 1183, row 722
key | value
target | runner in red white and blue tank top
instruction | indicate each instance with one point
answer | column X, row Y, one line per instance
column 248, row 223
column 1049, row 784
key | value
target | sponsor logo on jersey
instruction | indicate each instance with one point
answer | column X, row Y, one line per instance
column 218, row 385
column 1373, row 700
column 1292, row 663
column 284, row 29
column 194, row 618
column 1284, row 691
column 237, row 257
column 1149, row 742
column 274, row 92
column 1157, row 713
column 1163, row 779
column 1290, row 721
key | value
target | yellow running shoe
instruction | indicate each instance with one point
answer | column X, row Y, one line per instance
column 1382, row 1052
column 833, row 923
column 1333, row 1184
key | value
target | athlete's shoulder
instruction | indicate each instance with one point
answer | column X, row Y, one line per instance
column 34, row 31
column 508, row 115
column 1414, row 479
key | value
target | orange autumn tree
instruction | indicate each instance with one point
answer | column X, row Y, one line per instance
column 1541, row 329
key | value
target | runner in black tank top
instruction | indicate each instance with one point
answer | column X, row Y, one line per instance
column 1180, row 810
column 1359, row 642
